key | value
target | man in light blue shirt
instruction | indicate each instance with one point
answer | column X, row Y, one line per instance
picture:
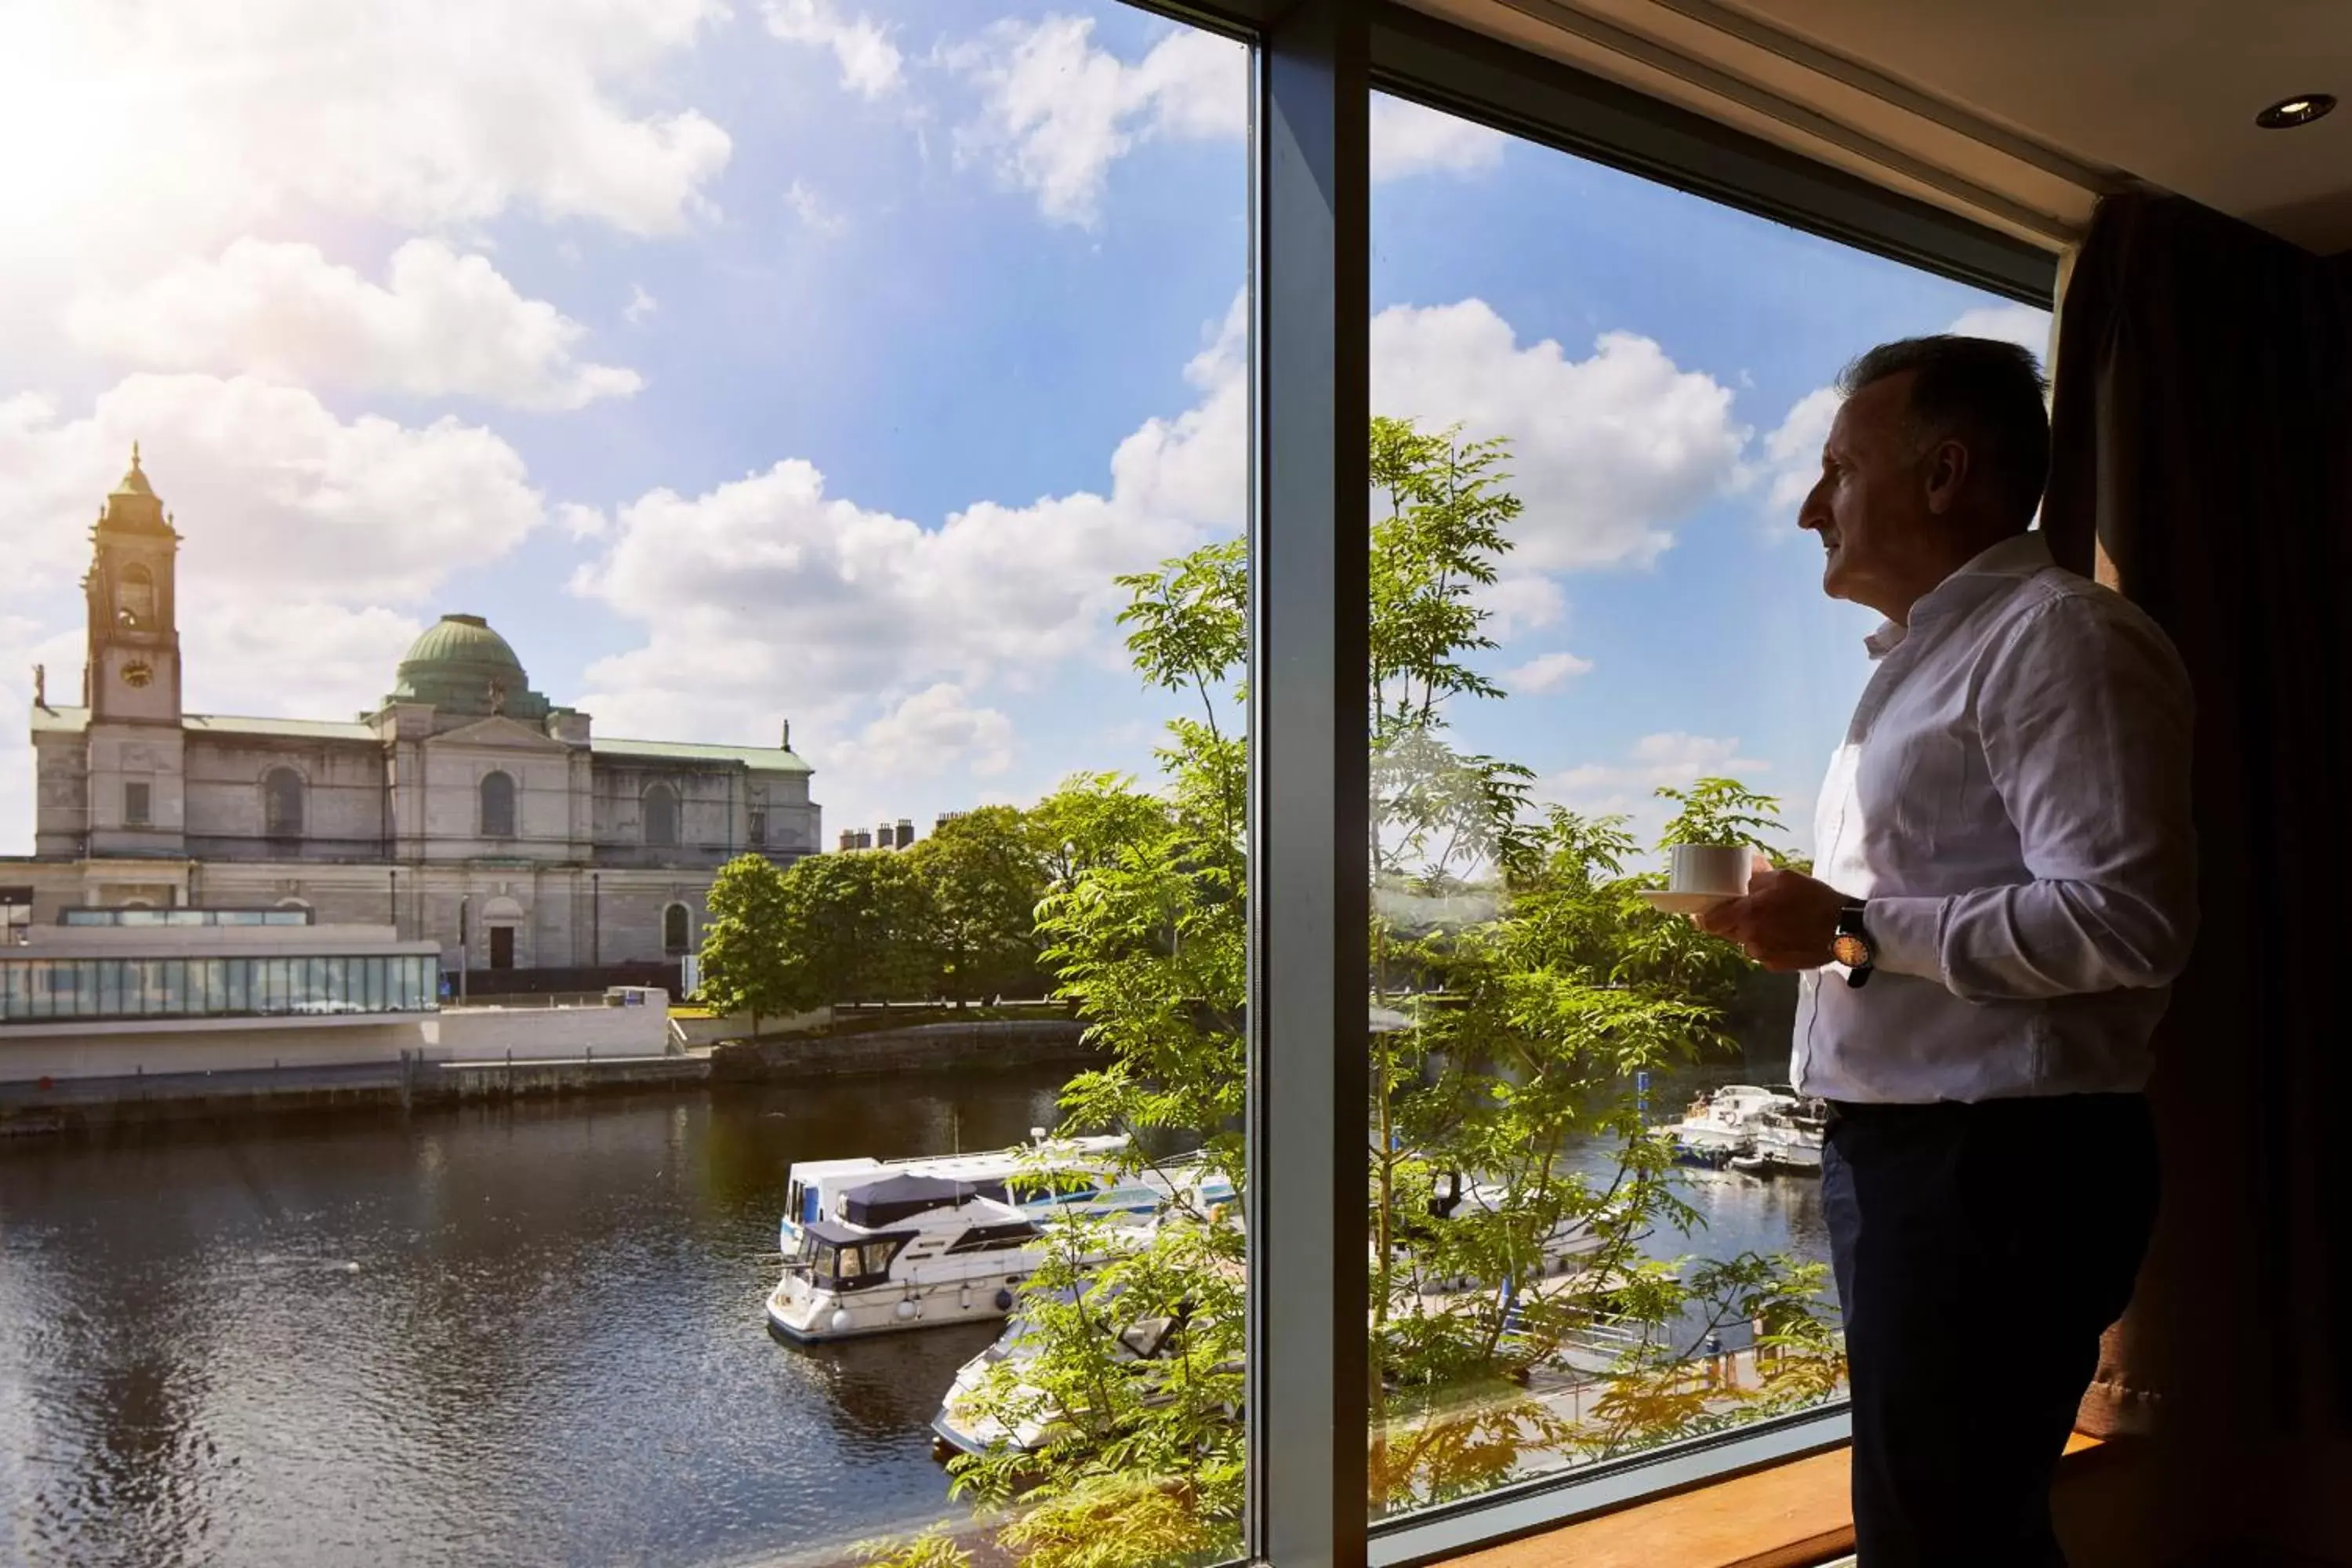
column 2005, row 888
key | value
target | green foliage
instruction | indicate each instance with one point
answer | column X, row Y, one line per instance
column 1721, row 811
column 1517, row 984
column 746, row 967
column 982, row 880
column 855, row 925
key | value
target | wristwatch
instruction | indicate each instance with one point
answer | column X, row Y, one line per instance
column 1851, row 946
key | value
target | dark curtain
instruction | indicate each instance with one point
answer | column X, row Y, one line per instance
column 2202, row 429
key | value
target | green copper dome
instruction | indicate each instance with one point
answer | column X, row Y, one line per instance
column 462, row 665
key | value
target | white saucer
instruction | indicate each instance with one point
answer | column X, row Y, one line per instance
column 1674, row 903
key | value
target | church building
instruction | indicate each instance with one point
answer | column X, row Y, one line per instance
column 466, row 808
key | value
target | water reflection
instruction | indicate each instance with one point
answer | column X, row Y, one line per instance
column 521, row 1336
column 524, row 1336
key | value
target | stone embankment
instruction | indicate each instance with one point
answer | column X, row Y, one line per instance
column 62, row 1105
column 982, row 1045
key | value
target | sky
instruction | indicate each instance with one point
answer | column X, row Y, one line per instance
column 823, row 361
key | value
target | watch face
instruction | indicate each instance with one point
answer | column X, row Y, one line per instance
column 1851, row 951
column 136, row 673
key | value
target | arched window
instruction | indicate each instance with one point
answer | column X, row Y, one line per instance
column 677, row 930
column 498, row 806
column 661, row 816
column 281, row 803
column 134, row 597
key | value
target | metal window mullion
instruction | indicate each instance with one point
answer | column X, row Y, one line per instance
column 1309, row 894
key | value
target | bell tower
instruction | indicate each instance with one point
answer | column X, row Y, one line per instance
column 132, row 675
column 135, row 779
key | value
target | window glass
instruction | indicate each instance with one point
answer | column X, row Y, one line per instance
column 1597, row 631
column 794, row 405
column 281, row 803
column 135, row 801
column 661, row 816
column 498, row 806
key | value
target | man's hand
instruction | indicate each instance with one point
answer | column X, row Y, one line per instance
column 1788, row 920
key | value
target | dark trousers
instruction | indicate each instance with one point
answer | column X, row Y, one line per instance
column 1981, row 1252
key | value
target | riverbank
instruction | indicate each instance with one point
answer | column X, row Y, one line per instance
column 36, row 1107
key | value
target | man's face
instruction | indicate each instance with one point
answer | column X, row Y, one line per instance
column 1871, row 506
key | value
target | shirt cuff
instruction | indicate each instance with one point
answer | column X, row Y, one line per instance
column 1906, row 936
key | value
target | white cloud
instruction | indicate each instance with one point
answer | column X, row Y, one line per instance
column 279, row 500
column 186, row 125
column 1606, row 453
column 810, row 210
column 1628, row 786
column 771, row 581
column 870, row 63
column 934, row 731
column 1056, row 111
column 1546, row 673
column 1793, row 456
column 641, row 306
column 2027, row 326
column 440, row 324
column 1409, row 138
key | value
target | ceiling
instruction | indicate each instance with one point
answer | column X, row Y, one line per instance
column 2018, row 113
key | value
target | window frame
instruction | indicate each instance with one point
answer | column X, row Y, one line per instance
column 1315, row 65
column 512, row 803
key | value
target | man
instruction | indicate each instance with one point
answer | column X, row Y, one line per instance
column 2006, row 891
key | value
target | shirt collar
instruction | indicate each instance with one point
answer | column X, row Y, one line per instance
column 2013, row 558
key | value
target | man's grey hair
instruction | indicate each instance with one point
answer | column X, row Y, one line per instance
column 1984, row 394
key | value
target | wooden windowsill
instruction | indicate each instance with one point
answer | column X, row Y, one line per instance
column 1790, row 1516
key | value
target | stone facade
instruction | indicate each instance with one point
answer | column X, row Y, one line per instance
column 465, row 800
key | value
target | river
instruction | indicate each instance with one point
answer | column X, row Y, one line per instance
column 524, row 1335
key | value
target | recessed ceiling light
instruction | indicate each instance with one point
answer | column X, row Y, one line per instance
column 2300, row 110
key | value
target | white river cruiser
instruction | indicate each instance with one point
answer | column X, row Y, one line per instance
column 1720, row 1126
column 1037, row 1177
column 879, row 1247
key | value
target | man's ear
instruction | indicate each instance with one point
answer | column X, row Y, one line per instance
column 1947, row 465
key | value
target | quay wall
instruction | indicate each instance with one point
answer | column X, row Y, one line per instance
column 544, row 1066
column 111, row 1049
column 920, row 1048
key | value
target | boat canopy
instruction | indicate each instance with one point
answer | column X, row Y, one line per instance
column 894, row 1199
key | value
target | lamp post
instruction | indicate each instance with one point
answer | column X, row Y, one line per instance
column 465, row 947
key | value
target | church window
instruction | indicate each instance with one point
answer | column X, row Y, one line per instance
column 661, row 816
column 498, row 806
column 134, row 599
column 678, row 929
column 281, row 803
column 136, row 804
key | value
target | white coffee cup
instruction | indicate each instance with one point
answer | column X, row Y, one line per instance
column 1718, row 869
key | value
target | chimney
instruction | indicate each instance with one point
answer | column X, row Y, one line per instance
column 848, row 841
column 785, row 740
column 864, row 840
column 906, row 831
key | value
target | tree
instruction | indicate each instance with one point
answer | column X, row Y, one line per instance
column 1089, row 822
column 1517, row 983
column 746, row 964
column 855, row 925
column 982, row 880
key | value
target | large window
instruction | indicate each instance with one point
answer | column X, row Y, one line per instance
column 498, row 805
column 43, row 990
column 660, row 810
column 281, row 803
column 1306, row 553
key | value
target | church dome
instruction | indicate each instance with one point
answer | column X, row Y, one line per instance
column 460, row 663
